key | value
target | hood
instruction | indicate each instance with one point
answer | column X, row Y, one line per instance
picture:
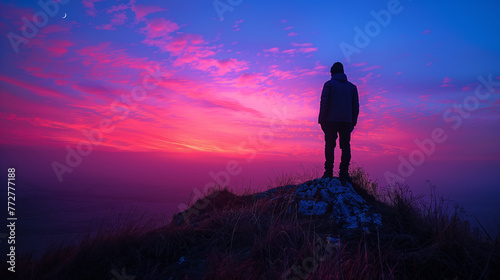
column 341, row 77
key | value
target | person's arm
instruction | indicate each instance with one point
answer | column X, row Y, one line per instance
column 323, row 106
column 355, row 107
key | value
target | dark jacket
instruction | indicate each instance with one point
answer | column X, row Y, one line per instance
column 339, row 101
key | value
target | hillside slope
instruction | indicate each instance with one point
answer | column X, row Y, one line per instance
column 320, row 229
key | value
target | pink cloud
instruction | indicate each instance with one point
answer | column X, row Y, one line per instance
column 47, row 121
column 107, row 26
column 283, row 74
column 186, row 44
column 49, row 59
column 189, row 49
column 159, row 27
column 425, row 97
column 117, row 8
column 112, row 64
column 359, row 64
column 94, row 50
column 300, row 50
column 447, row 82
column 58, row 47
column 142, row 10
column 53, row 28
column 366, row 78
column 34, row 89
column 25, row 106
column 220, row 67
column 14, row 14
column 90, row 7
column 36, row 121
column 250, row 80
column 235, row 26
column 288, row 28
column 117, row 19
column 426, row 31
column 234, row 106
column 371, row 68
column 301, row 45
column 272, row 50
column 297, row 72
column 38, row 71
column 92, row 89
column 46, row 42
column 291, row 34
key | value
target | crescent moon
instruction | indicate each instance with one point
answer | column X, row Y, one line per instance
column 64, row 15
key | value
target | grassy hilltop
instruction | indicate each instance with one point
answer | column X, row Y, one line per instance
column 229, row 236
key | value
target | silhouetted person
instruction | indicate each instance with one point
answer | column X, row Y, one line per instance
column 338, row 115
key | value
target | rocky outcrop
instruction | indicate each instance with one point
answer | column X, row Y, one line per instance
column 328, row 197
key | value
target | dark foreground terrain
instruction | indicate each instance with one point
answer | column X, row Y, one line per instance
column 267, row 236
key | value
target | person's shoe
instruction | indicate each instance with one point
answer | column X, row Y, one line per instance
column 344, row 177
column 327, row 174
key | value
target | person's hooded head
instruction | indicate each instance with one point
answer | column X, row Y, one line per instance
column 337, row 67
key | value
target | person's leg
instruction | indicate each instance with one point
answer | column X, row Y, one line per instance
column 330, row 142
column 345, row 146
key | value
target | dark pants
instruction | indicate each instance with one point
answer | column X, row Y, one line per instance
column 343, row 130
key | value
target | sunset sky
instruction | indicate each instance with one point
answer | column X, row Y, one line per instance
column 241, row 80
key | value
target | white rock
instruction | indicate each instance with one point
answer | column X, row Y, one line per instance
column 347, row 207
